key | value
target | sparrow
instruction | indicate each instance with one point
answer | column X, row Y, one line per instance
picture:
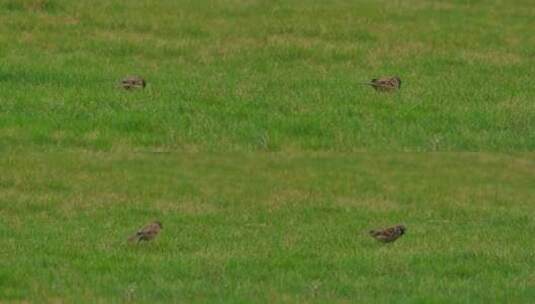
column 147, row 233
column 133, row 82
column 388, row 235
column 385, row 84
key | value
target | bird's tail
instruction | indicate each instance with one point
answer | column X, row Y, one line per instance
column 134, row 238
column 373, row 232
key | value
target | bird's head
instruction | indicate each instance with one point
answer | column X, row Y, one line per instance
column 398, row 80
column 159, row 224
column 402, row 229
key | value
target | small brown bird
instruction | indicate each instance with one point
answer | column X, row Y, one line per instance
column 133, row 82
column 147, row 233
column 385, row 84
column 389, row 234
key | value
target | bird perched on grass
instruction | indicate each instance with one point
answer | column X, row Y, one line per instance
column 147, row 233
column 133, row 82
column 385, row 84
column 388, row 235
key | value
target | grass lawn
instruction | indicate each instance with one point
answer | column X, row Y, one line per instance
column 268, row 75
column 267, row 227
column 263, row 158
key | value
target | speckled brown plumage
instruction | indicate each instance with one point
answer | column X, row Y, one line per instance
column 147, row 233
column 133, row 82
column 385, row 84
column 388, row 235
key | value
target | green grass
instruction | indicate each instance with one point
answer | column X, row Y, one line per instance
column 267, row 227
column 257, row 112
column 268, row 75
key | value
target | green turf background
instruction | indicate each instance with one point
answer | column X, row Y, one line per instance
column 265, row 160
column 268, row 75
